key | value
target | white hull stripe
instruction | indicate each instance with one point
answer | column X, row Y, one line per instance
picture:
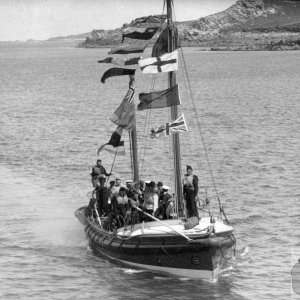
column 190, row 273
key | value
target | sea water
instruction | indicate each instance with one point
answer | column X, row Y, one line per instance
column 54, row 114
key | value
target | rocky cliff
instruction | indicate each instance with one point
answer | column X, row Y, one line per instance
column 246, row 25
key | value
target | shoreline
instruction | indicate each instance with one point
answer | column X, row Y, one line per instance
column 288, row 45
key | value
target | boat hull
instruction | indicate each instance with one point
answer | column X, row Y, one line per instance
column 164, row 253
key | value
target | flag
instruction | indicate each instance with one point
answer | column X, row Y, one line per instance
column 115, row 145
column 120, row 62
column 152, row 19
column 179, row 125
column 166, row 98
column 165, row 63
column 161, row 45
column 128, row 49
column 116, row 72
column 124, row 115
column 140, row 33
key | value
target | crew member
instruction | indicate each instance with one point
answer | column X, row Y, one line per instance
column 120, row 206
column 97, row 170
column 150, row 200
column 190, row 192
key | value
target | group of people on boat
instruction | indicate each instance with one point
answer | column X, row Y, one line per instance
column 139, row 201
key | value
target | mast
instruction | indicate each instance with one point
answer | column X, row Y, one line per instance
column 133, row 137
column 174, row 116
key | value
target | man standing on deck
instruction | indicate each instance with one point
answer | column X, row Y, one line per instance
column 190, row 192
column 97, row 170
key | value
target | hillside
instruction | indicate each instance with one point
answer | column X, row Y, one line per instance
column 249, row 24
column 246, row 25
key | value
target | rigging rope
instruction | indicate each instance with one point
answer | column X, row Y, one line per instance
column 148, row 114
column 200, row 131
column 112, row 166
column 146, row 129
column 199, row 163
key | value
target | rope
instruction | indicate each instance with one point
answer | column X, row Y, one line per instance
column 113, row 163
column 199, row 163
column 200, row 131
column 146, row 123
column 146, row 129
column 152, row 217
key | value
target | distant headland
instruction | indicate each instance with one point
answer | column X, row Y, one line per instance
column 247, row 25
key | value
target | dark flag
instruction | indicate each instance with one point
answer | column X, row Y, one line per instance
column 114, row 144
column 155, row 20
column 161, row 45
column 124, row 115
column 128, row 49
column 116, row 72
column 140, row 34
column 119, row 61
column 166, row 98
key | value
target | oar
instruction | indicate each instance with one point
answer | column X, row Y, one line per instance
column 98, row 218
column 152, row 217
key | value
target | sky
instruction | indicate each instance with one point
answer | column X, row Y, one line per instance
column 43, row 19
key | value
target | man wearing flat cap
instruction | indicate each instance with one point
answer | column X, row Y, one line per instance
column 190, row 192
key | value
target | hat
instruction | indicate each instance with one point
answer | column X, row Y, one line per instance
column 129, row 181
column 147, row 181
column 165, row 187
column 152, row 184
column 189, row 168
column 160, row 183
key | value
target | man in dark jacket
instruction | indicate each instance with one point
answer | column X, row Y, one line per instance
column 190, row 192
column 97, row 170
column 90, row 209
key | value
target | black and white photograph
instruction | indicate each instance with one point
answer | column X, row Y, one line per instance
column 150, row 149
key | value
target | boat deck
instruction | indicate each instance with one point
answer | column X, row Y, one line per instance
column 175, row 226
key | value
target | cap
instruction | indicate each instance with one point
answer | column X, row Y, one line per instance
column 165, row 187
column 189, row 168
column 152, row 184
column 160, row 183
column 129, row 181
column 147, row 181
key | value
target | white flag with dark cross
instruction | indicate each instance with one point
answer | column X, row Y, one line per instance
column 166, row 63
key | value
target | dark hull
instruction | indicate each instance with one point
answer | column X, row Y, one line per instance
column 167, row 253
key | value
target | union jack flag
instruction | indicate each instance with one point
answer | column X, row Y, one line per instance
column 179, row 125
